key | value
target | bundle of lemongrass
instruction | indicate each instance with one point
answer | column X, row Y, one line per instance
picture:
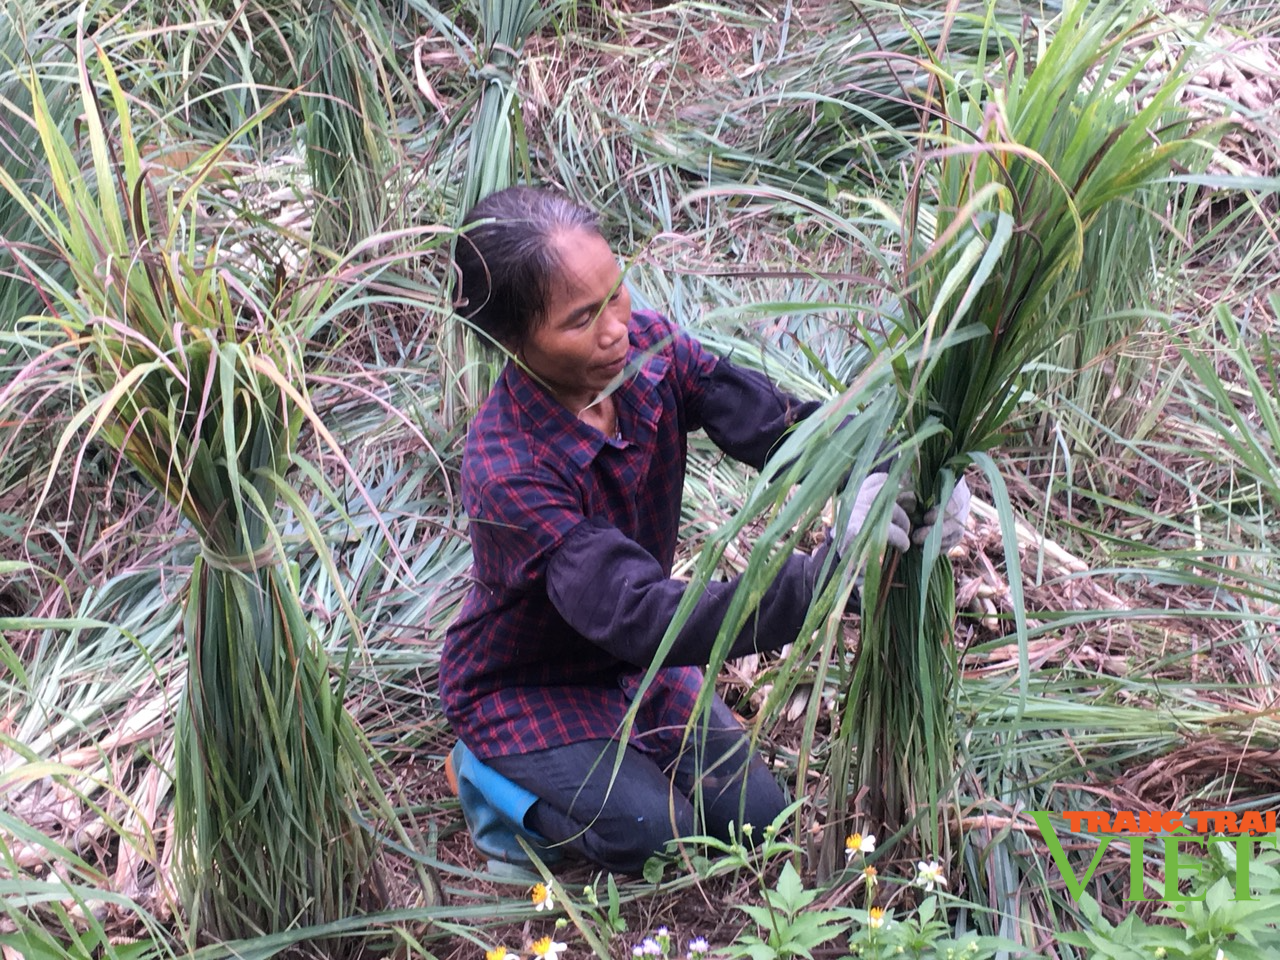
column 1013, row 171
column 497, row 153
column 194, row 375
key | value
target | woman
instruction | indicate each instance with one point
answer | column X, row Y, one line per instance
column 573, row 492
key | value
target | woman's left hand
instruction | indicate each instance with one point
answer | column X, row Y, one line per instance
column 954, row 519
column 898, row 533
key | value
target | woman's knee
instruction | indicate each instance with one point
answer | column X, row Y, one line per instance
column 622, row 838
column 617, row 818
column 727, row 778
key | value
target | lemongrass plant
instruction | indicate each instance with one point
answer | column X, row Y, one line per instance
column 497, row 153
column 192, row 371
column 348, row 122
column 1016, row 165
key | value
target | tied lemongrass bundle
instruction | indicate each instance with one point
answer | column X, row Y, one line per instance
column 1013, row 173
column 192, row 371
column 497, row 153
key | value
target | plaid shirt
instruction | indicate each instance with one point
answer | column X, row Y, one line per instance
column 573, row 535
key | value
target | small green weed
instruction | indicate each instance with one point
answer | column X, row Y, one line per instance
column 789, row 928
column 790, row 922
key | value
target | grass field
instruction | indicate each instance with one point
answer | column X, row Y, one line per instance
column 233, row 398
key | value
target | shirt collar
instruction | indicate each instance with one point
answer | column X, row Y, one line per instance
column 541, row 414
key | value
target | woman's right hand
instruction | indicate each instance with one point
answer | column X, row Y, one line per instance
column 955, row 518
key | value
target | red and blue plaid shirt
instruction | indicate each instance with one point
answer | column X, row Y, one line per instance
column 573, row 536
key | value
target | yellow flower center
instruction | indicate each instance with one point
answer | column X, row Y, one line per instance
column 497, row 953
column 541, row 947
column 853, row 843
column 539, row 894
column 877, row 916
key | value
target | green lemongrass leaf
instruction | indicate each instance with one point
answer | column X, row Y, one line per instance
column 228, row 390
column 1221, row 181
column 32, row 892
column 1000, row 237
column 12, row 662
column 1013, row 571
column 111, row 216
column 970, row 255
column 60, row 165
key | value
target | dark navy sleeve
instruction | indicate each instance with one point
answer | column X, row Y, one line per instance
column 627, row 611
column 745, row 414
column 743, row 411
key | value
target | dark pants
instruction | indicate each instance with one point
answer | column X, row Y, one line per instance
column 618, row 820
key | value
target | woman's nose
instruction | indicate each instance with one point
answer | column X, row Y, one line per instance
column 614, row 326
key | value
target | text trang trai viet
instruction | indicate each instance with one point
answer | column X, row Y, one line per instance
column 1177, row 832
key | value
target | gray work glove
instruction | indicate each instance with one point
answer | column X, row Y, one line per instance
column 899, row 533
column 954, row 519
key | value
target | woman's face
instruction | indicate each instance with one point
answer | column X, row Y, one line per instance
column 580, row 345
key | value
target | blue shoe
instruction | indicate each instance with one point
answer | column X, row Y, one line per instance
column 495, row 810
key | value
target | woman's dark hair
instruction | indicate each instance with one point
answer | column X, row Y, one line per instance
column 506, row 259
